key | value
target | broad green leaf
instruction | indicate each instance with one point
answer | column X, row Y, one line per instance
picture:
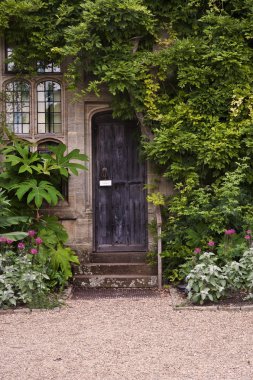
column 25, row 168
column 15, row 235
column 24, row 188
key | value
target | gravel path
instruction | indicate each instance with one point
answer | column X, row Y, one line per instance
column 126, row 339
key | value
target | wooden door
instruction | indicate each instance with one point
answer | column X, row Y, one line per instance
column 119, row 179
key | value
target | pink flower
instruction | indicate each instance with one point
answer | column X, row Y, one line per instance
column 211, row 243
column 197, row 250
column 21, row 245
column 9, row 241
column 2, row 239
column 247, row 237
column 38, row 241
column 248, row 232
column 34, row 251
column 230, row 232
column 31, row 233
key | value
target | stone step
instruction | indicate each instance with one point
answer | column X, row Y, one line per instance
column 115, row 281
column 117, row 268
column 118, row 257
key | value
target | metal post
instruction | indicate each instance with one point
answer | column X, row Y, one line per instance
column 159, row 245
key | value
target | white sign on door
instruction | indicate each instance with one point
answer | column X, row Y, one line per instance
column 107, row 182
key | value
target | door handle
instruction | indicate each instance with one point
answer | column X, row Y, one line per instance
column 104, row 174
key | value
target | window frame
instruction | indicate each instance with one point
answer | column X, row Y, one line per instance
column 29, row 102
column 40, row 67
column 36, row 107
column 33, row 105
column 7, row 70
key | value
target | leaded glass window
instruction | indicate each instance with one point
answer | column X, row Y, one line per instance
column 41, row 66
column 10, row 66
column 18, row 106
column 49, row 107
column 50, row 68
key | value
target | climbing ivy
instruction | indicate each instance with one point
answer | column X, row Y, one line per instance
column 183, row 69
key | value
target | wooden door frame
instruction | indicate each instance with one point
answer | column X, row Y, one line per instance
column 101, row 113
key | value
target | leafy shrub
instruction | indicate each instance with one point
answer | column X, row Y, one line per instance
column 234, row 271
column 196, row 216
column 31, row 267
column 32, row 179
column 190, row 87
column 8, row 220
column 177, row 265
column 53, row 254
column 209, row 282
column 240, row 274
column 19, row 280
column 247, row 264
column 206, row 281
column 232, row 246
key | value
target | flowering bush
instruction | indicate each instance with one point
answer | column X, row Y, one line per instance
column 19, row 279
column 208, row 281
column 232, row 246
column 25, row 275
column 46, row 251
column 27, row 184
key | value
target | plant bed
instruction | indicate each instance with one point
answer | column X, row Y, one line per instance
column 234, row 299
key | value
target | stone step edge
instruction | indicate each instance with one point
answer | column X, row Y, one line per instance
column 115, row 281
column 119, row 254
column 116, row 264
column 113, row 276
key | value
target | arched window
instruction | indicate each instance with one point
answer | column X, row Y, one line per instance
column 49, row 107
column 45, row 147
column 18, row 106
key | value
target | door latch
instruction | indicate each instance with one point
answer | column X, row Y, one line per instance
column 104, row 174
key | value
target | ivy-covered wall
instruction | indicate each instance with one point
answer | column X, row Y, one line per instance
column 184, row 69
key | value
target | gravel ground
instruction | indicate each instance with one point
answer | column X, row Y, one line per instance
column 126, row 339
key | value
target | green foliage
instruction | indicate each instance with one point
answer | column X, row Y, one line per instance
column 29, row 269
column 51, row 231
column 157, row 199
column 31, row 179
column 37, row 192
column 36, row 177
column 209, row 282
column 246, row 263
column 177, row 264
column 20, row 155
column 8, row 221
column 199, row 214
column 63, row 162
column 234, row 273
column 4, row 205
column 206, row 282
column 53, row 255
column 44, row 301
column 231, row 248
column 15, row 235
column 240, row 274
column 19, row 281
column 60, row 262
column 184, row 69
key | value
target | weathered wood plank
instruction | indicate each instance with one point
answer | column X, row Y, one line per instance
column 120, row 210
